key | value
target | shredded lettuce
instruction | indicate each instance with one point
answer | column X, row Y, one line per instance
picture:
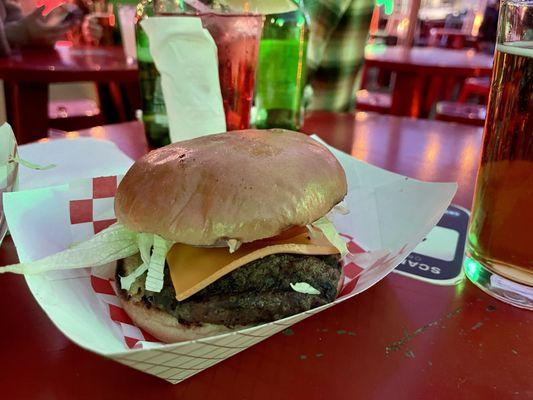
column 341, row 209
column 117, row 242
column 145, row 242
column 329, row 231
column 111, row 244
column 233, row 245
column 128, row 280
column 30, row 165
column 156, row 266
column 153, row 249
column 304, row 287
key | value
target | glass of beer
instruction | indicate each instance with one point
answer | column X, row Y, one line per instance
column 499, row 255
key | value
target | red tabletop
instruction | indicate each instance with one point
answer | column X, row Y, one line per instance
column 429, row 59
column 26, row 77
column 422, row 72
column 401, row 339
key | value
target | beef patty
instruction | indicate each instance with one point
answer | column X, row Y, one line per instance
column 257, row 292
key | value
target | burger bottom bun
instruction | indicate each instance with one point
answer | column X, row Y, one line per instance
column 166, row 327
column 341, row 282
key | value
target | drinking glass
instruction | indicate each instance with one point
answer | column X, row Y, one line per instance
column 236, row 28
column 499, row 255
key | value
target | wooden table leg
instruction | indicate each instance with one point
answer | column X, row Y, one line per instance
column 131, row 97
column 111, row 106
column 27, row 109
column 407, row 96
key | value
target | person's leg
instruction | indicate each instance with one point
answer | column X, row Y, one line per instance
column 334, row 80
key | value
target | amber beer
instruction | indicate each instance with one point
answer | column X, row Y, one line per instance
column 501, row 229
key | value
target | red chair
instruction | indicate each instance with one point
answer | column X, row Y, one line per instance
column 463, row 112
column 69, row 115
column 447, row 38
column 478, row 86
column 470, row 114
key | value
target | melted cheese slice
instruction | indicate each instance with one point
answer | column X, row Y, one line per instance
column 193, row 268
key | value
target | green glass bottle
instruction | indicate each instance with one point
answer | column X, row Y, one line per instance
column 281, row 71
column 154, row 113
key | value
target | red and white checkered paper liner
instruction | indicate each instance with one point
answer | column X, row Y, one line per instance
column 91, row 210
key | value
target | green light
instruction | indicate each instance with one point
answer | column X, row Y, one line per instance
column 387, row 4
column 472, row 269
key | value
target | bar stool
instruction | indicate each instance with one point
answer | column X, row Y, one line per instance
column 476, row 86
column 69, row 115
column 373, row 101
column 470, row 114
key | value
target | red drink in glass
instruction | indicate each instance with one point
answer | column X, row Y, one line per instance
column 237, row 39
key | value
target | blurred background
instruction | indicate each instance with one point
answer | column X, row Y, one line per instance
column 447, row 24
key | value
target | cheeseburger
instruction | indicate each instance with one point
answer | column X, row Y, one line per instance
column 239, row 211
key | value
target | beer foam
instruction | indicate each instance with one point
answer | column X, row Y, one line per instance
column 524, row 49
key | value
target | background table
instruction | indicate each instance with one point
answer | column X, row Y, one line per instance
column 401, row 339
column 27, row 76
column 420, row 71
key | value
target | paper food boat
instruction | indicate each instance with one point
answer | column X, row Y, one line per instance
column 389, row 215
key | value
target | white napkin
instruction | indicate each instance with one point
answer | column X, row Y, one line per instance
column 186, row 56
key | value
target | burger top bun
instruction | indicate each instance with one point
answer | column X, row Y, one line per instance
column 245, row 185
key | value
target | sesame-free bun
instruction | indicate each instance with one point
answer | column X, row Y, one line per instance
column 244, row 185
